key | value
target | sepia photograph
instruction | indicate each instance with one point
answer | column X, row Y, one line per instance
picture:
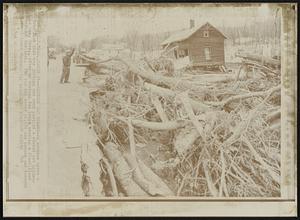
column 185, row 105
column 149, row 102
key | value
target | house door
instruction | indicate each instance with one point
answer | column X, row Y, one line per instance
column 207, row 53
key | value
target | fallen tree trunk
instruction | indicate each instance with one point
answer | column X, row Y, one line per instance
column 90, row 167
column 188, row 108
column 132, row 161
column 172, row 82
column 156, row 126
column 197, row 106
column 151, row 176
column 170, row 125
column 101, row 68
column 245, row 96
column 261, row 59
column 122, row 171
column 252, row 94
column 93, row 60
column 111, row 177
column 265, row 69
column 216, row 78
column 155, row 78
column 146, row 184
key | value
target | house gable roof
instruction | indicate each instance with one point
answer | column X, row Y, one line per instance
column 185, row 34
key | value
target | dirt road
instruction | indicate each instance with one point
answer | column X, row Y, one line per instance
column 67, row 133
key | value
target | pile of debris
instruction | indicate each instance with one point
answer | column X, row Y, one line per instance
column 168, row 134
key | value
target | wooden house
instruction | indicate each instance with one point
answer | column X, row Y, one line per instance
column 203, row 45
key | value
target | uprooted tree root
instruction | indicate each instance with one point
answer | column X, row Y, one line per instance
column 214, row 135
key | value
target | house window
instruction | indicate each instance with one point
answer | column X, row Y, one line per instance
column 207, row 53
column 205, row 33
column 183, row 53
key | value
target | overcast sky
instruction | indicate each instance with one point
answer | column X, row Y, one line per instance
column 74, row 24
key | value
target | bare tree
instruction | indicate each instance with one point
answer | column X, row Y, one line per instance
column 131, row 38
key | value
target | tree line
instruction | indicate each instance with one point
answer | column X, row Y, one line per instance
column 258, row 31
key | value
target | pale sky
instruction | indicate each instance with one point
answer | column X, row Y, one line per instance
column 74, row 24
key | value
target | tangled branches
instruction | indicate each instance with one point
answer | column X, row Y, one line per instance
column 215, row 136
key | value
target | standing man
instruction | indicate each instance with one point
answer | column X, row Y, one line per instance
column 66, row 66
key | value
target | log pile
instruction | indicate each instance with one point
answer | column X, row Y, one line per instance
column 268, row 67
column 210, row 135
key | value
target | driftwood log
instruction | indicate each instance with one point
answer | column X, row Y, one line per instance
column 122, row 171
column 260, row 59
